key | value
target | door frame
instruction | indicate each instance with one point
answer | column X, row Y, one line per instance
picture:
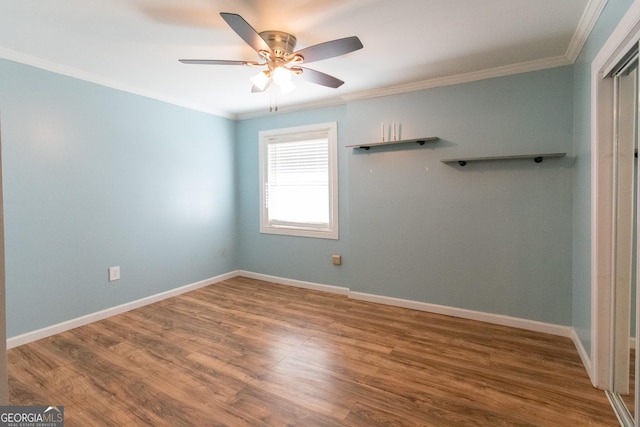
column 624, row 213
column 4, row 383
column 603, row 208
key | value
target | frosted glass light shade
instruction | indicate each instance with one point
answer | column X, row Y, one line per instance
column 260, row 80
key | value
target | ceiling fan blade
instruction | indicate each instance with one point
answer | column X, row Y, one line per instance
column 320, row 78
column 245, row 31
column 330, row 49
column 216, row 62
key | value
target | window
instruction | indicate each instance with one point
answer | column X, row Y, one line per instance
column 299, row 181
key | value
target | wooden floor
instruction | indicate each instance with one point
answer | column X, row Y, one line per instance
column 250, row 353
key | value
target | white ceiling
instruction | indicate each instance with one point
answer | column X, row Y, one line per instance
column 134, row 45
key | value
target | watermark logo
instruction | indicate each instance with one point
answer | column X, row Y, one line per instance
column 31, row 416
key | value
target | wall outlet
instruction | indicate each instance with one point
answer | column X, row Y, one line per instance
column 336, row 260
column 114, row 273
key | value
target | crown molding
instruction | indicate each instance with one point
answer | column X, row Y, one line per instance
column 53, row 67
column 502, row 71
column 587, row 22
column 372, row 93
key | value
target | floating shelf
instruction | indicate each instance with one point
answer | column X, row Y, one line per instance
column 419, row 141
column 535, row 157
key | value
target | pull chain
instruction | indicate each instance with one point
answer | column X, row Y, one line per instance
column 273, row 100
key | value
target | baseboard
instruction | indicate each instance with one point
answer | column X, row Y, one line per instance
column 112, row 311
column 515, row 322
column 295, row 283
column 582, row 352
column 498, row 319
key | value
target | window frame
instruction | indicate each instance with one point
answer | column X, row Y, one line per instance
column 300, row 132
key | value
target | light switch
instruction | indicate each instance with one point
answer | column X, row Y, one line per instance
column 114, row 273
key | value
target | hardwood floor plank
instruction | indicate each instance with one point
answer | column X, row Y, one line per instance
column 247, row 352
column 260, row 404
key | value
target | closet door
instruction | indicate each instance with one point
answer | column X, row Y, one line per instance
column 625, row 254
column 4, row 388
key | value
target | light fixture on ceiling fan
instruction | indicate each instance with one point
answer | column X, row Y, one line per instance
column 276, row 50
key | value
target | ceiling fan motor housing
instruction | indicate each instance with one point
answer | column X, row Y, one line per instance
column 281, row 43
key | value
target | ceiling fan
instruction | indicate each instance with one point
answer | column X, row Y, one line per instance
column 276, row 50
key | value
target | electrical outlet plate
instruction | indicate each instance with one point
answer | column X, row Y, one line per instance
column 114, row 273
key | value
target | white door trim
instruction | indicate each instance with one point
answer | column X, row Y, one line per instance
column 602, row 208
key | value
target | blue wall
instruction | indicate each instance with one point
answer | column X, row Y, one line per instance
column 94, row 178
column 290, row 257
column 493, row 237
column 581, row 291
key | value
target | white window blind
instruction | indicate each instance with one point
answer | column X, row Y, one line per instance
column 298, row 182
column 298, row 188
